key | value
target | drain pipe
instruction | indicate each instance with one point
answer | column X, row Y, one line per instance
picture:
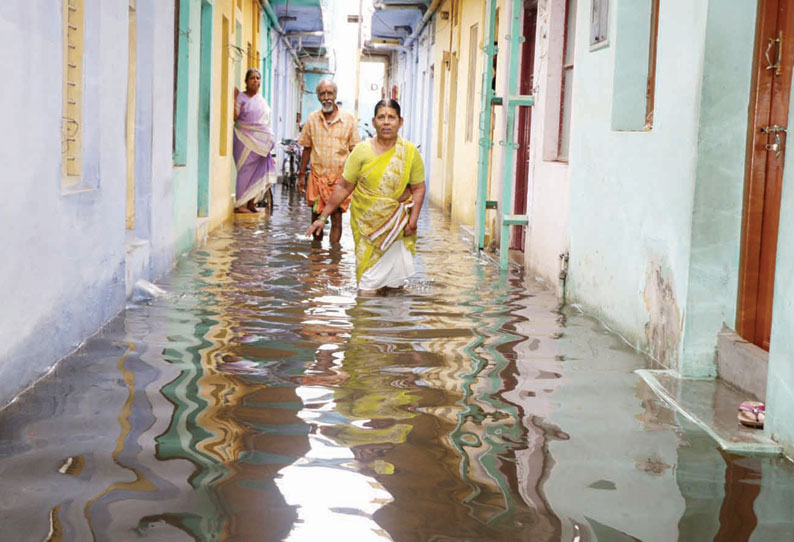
column 563, row 277
column 385, row 47
column 423, row 22
column 274, row 21
column 421, row 6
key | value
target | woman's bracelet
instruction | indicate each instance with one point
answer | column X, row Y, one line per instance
column 323, row 218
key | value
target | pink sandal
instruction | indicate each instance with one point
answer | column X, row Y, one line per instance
column 752, row 414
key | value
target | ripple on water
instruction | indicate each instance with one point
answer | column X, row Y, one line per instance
column 263, row 399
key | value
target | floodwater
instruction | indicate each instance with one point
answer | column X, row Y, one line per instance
column 261, row 399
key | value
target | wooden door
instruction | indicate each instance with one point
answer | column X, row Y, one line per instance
column 774, row 56
column 524, row 123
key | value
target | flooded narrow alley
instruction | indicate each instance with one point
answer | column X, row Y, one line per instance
column 261, row 399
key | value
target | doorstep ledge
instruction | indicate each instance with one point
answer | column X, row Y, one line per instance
column 681, row 394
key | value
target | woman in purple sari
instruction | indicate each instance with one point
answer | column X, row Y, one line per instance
column 253, row 141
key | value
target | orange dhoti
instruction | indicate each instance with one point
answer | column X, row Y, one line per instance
column 319, row 189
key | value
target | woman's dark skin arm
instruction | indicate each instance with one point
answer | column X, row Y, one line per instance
column 236, row 104
column 342, row 190
column 418, row 195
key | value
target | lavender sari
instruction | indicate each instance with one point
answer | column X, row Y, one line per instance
column 253, row 141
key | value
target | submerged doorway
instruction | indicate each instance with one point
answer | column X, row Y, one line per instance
column 774, row 56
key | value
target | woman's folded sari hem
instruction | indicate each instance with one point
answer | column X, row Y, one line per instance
column 392, row 269
column 256, row 190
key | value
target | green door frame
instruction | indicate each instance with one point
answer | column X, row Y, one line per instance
column 512, row 101
column 205, row 105
column 485, row 143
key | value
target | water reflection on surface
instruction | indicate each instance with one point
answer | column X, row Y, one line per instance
column 263, row 400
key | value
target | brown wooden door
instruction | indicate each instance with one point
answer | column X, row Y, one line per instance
column 524, row 123
column 774, row 56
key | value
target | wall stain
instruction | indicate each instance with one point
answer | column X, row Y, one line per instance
column 664, row 326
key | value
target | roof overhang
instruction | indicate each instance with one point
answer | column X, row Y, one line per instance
column 302, row 22
column 396, row 20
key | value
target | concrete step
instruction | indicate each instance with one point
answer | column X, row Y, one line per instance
column 713, row 405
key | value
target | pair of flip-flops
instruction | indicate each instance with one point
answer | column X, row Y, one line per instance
column 752, row 413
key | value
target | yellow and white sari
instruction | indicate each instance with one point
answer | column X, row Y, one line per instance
column 384, row 255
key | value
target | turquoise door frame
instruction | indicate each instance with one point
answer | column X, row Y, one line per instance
column 513, row 101
column 182, row 82
column 485, row 143
column 267, row 59
column 205, row 101
column 510, row 145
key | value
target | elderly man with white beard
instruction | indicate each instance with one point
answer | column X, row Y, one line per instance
column 327, row 137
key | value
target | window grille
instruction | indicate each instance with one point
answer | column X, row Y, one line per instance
column 71, row 124
column 566, row 97
column 599, row 23
column 471, row 90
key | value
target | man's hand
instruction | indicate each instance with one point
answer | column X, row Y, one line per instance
column 301, row 182
column 316, row 227
column 410, row 229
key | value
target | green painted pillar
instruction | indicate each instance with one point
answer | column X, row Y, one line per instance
column 205, row 101
column 512, row 102
column 485, row 143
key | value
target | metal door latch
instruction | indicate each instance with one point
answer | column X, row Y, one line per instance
column 778, row 43
column 777, row 145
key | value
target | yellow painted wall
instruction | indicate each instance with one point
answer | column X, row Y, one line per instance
column 443, row 37
column 222, row 179
column 454, row 156
column 464, row 166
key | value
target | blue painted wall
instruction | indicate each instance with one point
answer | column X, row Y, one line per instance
column 64, row 251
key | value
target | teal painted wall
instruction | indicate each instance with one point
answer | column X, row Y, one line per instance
column 719, row 189
column 181, row 102
column 267, row 58
column 185, row 187
column 205, row 101
column 780, row 384
column 632, row 42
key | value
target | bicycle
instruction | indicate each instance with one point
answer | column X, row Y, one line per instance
column 291, row 162
column 365, row 131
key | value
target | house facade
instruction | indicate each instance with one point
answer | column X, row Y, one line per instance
column 123, row 162
column 632, row 156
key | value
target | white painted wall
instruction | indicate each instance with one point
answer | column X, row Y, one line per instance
column 547, row 205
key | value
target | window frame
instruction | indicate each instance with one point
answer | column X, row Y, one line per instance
column 567, row 65
column 72, row 126
column 471, row 91
column 599, row 24
column 653, row 48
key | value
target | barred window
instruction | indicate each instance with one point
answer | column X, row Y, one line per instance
column 599, row 23
column 72, row 119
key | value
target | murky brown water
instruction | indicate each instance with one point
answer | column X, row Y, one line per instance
column 262, row 400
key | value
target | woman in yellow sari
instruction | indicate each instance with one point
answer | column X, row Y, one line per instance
column 386, row 176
